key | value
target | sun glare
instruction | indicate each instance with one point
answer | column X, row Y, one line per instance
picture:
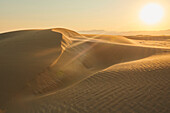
column 151, row 13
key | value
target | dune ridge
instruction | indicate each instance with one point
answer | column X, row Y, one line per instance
column 59, row 70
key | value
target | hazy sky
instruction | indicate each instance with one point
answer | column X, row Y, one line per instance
column 112, row 15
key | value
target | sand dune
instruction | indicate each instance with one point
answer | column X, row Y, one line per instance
column 59, row 70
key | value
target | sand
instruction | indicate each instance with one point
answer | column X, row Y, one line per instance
column 60, row 71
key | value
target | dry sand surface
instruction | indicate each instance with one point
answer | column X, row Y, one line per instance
column 61, row 71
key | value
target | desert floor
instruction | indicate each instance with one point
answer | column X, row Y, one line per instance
column 61, row 71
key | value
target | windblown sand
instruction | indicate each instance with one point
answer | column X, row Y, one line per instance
column 61, row 71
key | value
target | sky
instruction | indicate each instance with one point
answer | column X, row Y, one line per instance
column 110, row 15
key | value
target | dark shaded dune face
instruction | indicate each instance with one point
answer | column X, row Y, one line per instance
column 15, row 33
column 23, row 55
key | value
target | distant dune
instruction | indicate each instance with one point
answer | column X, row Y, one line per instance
column 129, row 33
column 61, row 71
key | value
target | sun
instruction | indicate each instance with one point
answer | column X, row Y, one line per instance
column 151, row 13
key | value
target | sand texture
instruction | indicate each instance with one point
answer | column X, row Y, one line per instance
column 61, row 71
